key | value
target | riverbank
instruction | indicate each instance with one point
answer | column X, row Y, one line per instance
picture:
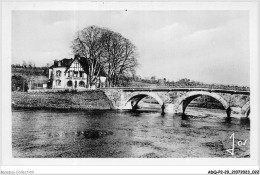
column 92, row 99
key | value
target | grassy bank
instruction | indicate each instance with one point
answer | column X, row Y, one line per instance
column 94, row 99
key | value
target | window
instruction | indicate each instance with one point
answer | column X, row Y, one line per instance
column 58, row 82
column 70, row 73
column 80, row 74
column 75, row 73
column 69, row 83
column 77, row 65
column 82, row 84
column 58, row 73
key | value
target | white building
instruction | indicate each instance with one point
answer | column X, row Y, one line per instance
column 72, row 74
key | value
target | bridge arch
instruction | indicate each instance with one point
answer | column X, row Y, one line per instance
column 246, row 109
column 185, row 100
column 132, row 102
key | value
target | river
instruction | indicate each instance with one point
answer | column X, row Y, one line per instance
column 127, row 134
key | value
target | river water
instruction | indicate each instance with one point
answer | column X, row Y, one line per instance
column 127, row 134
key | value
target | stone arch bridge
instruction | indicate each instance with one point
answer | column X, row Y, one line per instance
column 175, row 100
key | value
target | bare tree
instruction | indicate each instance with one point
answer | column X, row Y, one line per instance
column 105, row 50
column 128, row 63
column 88, row 44
column 121, row 57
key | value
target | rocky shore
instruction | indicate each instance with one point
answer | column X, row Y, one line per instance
column 93, row 99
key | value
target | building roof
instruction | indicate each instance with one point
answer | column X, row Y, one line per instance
column 62, row 63
column 84, row 63
column 82, row 60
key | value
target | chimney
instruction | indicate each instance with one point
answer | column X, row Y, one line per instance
column 55, row 62
column 77, row 56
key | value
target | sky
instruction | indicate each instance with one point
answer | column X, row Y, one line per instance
column 207, row 46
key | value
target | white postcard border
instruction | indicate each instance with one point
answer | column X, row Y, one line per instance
column 7, row 159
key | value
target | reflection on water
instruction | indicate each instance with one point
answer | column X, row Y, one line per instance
column 104, row 134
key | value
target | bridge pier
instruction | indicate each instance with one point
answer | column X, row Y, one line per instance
column 169, row 108
column 228, row 111
column 134, row 105
column 163, row 108
column 236, row 112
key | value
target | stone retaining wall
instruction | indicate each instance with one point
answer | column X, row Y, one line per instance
column 93, row 99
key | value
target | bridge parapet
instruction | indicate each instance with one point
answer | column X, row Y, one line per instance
column 167, row 89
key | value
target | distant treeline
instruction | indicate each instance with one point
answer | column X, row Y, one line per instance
column 138, row 81
column 134, row 81
column 29, row 70
column 23, row 74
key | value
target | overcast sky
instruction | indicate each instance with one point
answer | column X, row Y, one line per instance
column 207, row 46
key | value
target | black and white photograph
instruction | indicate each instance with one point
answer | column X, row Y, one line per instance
column 146, row 84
